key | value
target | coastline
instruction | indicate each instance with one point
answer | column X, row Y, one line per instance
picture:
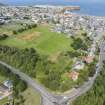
column 81, row 14
column 87, row 7
column 76, row 11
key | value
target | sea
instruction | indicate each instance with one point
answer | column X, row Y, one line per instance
column 88, row 7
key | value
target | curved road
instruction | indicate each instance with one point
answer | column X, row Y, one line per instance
column 87, row 85
column 32, row 83
column 51, row 99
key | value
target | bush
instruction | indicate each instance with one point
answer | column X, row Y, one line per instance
column 3, row 36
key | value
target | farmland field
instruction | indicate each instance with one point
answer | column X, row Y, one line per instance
column 41, row 38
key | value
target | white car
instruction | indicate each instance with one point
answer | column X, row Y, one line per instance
column 65, row 97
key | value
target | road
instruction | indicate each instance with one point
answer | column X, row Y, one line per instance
column 51, row 99
column 87, row 85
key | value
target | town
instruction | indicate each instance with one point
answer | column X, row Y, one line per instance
column 63, row 19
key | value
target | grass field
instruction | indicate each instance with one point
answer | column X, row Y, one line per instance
column 4, row 101
column 2, row 79
column 31, row 97
column 46, row 42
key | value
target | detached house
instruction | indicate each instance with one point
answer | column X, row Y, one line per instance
column 4, row 91
column 74, row 75
column 88, row 59
column 78, row 65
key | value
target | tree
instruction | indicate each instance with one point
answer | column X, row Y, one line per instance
column 78, row 43
column 73, row 54
column 21, row 86
column 14, row 32
column 96, row 95
column 84, row 34
column 3, row 36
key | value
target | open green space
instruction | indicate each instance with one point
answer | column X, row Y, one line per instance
column 2, row 79
column 47, row 56
column 41, row 38
column 31, row 97
column 3, row 101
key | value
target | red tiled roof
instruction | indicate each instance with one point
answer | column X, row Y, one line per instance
column 74, row 75
column 88, row 59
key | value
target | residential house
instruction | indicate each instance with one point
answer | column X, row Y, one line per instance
column 88, row 59
column 78, row 65
column 4, row 91
column 74, row 75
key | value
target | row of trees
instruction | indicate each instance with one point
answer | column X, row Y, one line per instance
column 24, row 28
column 95, row 96
column 19, row 85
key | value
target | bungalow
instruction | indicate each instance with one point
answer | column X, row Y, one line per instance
column 88, row 59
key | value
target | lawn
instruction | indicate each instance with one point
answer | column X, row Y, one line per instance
column 31, row 97
column 2, row 79
column 46, row 42
column 4, row 101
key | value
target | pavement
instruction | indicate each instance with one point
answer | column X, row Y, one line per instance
column 51, row 99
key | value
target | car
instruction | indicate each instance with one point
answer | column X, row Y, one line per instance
column 65, row 97
column 97, row 65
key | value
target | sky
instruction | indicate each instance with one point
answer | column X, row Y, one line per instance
column 45, row 1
